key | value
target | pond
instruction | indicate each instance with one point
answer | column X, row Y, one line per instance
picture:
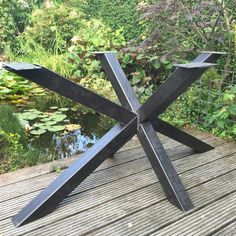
column 38, row 126
column 59, row 145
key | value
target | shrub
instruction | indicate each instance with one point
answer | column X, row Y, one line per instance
column 9, row 123
column 53, row 26
column 116, row 15
column 95, row 36
column 8, row 28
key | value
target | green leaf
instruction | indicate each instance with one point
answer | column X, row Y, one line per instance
column 59, row 117
column 228, row 97
column 50, row 123
column 53, row 108
column 28, row 116
column 56, row 128
column 234, row 129
column 156, row 65
column 63, row 109
column 38, row 132
column 4, row 90
column 47, row 119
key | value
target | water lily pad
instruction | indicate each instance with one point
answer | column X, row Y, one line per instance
column 56, row 128
column 49, row 123
column 37, row 125
column 43, row 116
column 72, row 127
column 28, row 116
column 47, row 119
column 63, row 109
column 38, row 132
column 31, row 110
column 23, row 122
column 59, row 117
column 53, row 108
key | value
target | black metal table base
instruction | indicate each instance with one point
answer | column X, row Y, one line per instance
column 133, row 118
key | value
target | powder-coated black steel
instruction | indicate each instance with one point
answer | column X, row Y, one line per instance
column 69, row 89
column 134, row 119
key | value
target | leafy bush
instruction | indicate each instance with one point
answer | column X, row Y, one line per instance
column 223, row 119
column 209, row 104
column 15, row 16
column 8, row 28
column 34, row 53
column 15, row 151
column 10, row 124
column 53, row 26
column 177, row 27
column 116, row 15
column 14, row 155
column 95, row 36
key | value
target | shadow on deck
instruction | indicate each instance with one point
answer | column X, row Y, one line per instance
column 124, row 197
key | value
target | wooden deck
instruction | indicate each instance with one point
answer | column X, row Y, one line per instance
column 124, row 197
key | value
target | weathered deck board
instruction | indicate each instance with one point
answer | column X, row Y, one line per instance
column 129, row 158
column 120, row 172
column 124, row 197
column 35, row 171
column 228, row 230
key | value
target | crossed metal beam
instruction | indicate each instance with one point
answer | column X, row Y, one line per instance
column 133, row 118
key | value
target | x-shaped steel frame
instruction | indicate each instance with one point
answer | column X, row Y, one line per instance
column 133, row 118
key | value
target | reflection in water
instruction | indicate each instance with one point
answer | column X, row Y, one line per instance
column 72, row 143
column 61, row 145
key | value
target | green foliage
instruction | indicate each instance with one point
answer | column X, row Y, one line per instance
column 177, row 27
column 145, row 71
column 39, row 122
column 53, row 26
column 8, row 28
column 16, row 90
column 223, row 119
column 52, row 99
column 210, row 105
column 95, row 36
column 35, row 53
column 15, row 16
column 14, row 155
column 10, row 124
column 116, row 15
column 61, row 35
column 14, row 151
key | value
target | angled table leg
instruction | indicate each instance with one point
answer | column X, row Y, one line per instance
column 171, row 89
column 163, row 168
column 176, row 84
column 152, row 146
column 177, row 134
column 65, row 183
column 71, row 90
column 180, row 136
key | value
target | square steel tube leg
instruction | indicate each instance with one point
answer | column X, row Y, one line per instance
column 75, row 92
column 180, row 136
column 119, row 81
column 171, row 89
column 163, row 168
column 174, row 86
column 154, row 150
column 128, row 99
column 64, row 184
